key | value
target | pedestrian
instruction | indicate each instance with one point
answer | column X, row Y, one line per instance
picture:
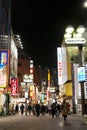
column 17, row 109
column 57, row 110
column 49, row 108
column 33, row 110
column 13, row 111
column 37, row 109
column 29, row 108
column 22, row 109
column 42, row 109
column 64, row 109
column 53, row 110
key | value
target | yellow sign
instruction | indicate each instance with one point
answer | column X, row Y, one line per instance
column 48, row 74
column 68, row 87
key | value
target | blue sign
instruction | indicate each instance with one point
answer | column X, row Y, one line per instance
column 3, row 58
column 81, row 74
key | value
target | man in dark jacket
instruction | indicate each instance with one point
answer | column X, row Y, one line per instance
column 53, row 110
column 37, row 109
column 22, row 109
column 29, row 108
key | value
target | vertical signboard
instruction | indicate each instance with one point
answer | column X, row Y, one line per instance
column 48, row 88
column 64, row 65
column 81, row 74
column 4, row 68
column 14, row 85
column 85, row 85
column 59, row 65
column 69, row 91
column 13, row 59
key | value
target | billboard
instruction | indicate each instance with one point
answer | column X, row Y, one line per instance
column 4, row 68
column 14, row 85
column 13, row 59
column 69, row 90
column 59, row 65
column 81, row 74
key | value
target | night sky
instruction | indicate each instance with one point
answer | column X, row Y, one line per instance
column 41, row 25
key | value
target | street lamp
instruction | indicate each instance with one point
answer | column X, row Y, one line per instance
column 75, row 38
column 85, row 4
column 28, row 80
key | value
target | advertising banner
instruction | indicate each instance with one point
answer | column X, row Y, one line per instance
column 14, row 84
column 81, row 74
column 59, row 65
column 4, row 68
column 69, row 91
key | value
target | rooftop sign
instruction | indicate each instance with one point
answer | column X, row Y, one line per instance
column 75, row 41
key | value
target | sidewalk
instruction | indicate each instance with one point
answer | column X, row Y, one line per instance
column 83, row 119
column 4, row 115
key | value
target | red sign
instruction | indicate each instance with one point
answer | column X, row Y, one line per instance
column 14, row 84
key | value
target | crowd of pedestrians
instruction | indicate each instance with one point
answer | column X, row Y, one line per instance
column 19, row 108
column 38, row 109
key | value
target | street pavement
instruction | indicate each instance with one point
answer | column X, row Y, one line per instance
column 31, row 122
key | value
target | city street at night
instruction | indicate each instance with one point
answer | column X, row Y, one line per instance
column 43, row 65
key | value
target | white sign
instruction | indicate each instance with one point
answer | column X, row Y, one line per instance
column 52, row 89
column 75, row 40
column 28, row 80
column 26, row 94
column 59, row 65
column 85, row 85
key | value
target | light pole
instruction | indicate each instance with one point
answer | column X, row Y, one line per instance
column 28, row 80
column 85, row 4
column 74, row 38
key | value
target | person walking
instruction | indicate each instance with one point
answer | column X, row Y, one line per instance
column 33, row 110
column 12, row 109
column 64, row 109
column 53, row 110
column 42, row 109
column 57, row 110
column 17, row 109
column 29, row 108
column 49, row 108
column 22, row 109
column 37, row 109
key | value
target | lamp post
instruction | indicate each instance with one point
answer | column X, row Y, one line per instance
column 85, row 4
column 74, row 38
column 27, row 79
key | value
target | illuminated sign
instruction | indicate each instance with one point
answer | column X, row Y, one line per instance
column 81, row 74
column 14, row 84
column 26, row 94
column 28, row 78
column 59, row 63
column 3, row 68
column 31, row 70
column 75, row 41
column 48, row 74
column 3, row 57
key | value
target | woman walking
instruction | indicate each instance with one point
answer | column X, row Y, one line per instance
column 64, row 109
